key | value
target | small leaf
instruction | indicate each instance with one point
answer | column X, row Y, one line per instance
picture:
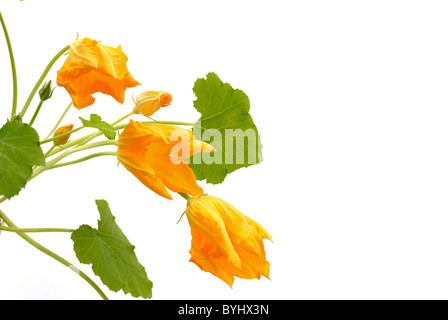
column 112, row 255
column 19, row 152
column 226, row 124
column 96, row 122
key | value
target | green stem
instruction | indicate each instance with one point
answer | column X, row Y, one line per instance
column 61, row 135
column 41, row 79
column 116, row 126
column 76, row 142
column 36, row 112
column 180, row 218
column 49, row 150
column 53, row 162
column 122, row 118
column 53, row 255
column 59, row 121
column 14, row 229
column 174, row 123
column 99, row 154
column 184, row 195
column 13, row 68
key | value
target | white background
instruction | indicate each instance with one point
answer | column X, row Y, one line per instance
column 350, row 98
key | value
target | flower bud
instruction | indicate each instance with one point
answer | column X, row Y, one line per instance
column 62, row 130
column 149, row 102
column 46, row 92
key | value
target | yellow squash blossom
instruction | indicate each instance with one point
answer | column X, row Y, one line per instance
column 150, row 153
column 62, row 130
column 92, row 67
column 149, row 102
column 224, row 241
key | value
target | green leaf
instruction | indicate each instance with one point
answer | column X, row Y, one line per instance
column 96, row 122
column 111, row 254
column 226, row 124
column 19, row 152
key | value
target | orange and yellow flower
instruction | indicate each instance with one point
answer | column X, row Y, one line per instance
column 224, row 241
column 149, row 102
column 151, row 153
column 93, row 67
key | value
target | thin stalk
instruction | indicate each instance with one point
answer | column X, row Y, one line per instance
column 99, row 154
column 74, row 143
column 59, row 121
column 53, row 255
column 180, row 218
column 184, row 195
column 41, row 79
column 49, row 150
column 121, row 126
column 28, row 230
column 174, row 123
column 122, row 118
column 89, row 137
column 61, row 135
column 36, row 112
column 53, row 162
column 13, row 68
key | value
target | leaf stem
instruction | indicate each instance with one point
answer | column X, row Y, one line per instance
column 41, row 79
column 13, row 68
column 53, row 255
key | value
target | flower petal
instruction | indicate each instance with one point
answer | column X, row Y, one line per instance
column 92, row 67
column 146, row 151
column 178, row 177
column 225, row 242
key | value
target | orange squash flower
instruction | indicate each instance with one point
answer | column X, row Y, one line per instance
column 149, row 102
column 224, row 241
column 92, row 67
column 151, row 153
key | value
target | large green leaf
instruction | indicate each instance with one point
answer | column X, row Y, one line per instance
column 96, row 122
column 19, row 152
column 112, row 255
column 226, row 124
